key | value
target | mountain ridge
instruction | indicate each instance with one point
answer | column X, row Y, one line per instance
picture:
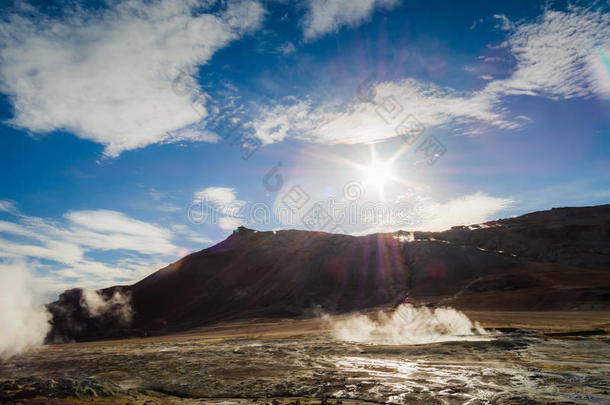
column 555, row 259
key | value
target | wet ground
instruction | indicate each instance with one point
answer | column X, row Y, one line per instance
column 301, row 363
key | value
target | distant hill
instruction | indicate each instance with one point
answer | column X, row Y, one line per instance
column 556, row 259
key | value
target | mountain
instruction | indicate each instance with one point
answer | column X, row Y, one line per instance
column 556, row 259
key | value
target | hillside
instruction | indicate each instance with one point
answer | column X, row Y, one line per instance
column 549, row 260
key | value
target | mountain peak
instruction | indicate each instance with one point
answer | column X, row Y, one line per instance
column 243, row 230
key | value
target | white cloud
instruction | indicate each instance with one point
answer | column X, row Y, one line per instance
column 325, row 16
column 503, row 22
column 229, row 223
column 217, row 195
column 293, row 117
column 7, row 206
column 167, row 207
column 466, row 210
column 224, row 200
column 63, row 250
column 361, row 121
column 201, row 240
column 192, row 134
column 110, row 230
column 107, row 77
column 286, row 48
column 475, row 23
column 160, row 203
column 192, row 236
column 416, row 212
column 560, row 55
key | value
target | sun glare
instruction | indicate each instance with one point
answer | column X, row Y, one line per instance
column 378, row 173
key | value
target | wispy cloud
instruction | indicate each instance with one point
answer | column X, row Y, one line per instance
column 8, row 206
column 429, row 214
column 192, row 236
column 224, row 200
column 229, row 223
column 559, row 55
column 107, row 76
column 503, row 22
column 161, row 203
column 64, row 251
column 286, row 48
column 465, row 210
column 326, row 16
column 220, row 196
column 362, row 121
column 108, row 230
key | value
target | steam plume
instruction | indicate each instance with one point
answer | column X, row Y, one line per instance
column 118, row 305
column 408, row 325
column 24, row 320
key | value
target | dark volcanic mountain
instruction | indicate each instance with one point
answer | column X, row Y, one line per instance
column 557, row 259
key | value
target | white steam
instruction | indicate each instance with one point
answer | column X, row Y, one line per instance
column 408, row 325
column 118, row 305
column 23, row 318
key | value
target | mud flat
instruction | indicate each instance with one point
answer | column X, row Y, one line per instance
column 539, row 358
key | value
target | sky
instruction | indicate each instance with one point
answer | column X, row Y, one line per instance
column 135, row 132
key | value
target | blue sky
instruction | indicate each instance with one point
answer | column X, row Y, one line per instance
column 135, row 132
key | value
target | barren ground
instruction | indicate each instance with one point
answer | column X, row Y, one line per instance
column 540, row 357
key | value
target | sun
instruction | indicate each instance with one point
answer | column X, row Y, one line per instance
column 378, row 173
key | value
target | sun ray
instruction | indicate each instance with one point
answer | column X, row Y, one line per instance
column 377, row 174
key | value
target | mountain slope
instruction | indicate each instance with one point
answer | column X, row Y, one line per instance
column 291, row 273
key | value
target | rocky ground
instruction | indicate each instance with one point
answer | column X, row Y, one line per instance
column 565, row 361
